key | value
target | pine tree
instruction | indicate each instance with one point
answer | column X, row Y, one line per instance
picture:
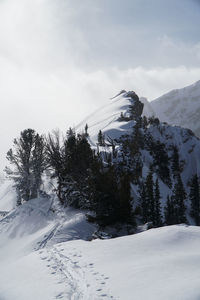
column 125, row 209
column 39, row 164
column 71, row 163
column 195, row 199
column 161, row 161
column 158, row 217
column 101, row 139
column 144, row 122
column 27, row 163
column 56, row 160
column 149, row 184
column 175, row 162
column 178, row 197
column 144, row 204
column 106, row 197
column 86, row 130
column 170, row 217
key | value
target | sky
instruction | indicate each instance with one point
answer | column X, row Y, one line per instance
column 62, row 59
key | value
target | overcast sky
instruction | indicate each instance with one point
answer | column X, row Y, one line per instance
column 61, row 59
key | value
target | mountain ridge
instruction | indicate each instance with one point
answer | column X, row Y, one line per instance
column 179, row 107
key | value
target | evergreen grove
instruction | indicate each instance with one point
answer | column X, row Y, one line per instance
column 100, row 180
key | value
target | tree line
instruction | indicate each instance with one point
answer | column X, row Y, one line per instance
column 100, row 181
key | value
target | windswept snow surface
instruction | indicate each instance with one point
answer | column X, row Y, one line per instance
column 162, row 263
column 106, row 119
column 43, row 256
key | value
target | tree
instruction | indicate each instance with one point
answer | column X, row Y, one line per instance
column 39, row 163
column 105, row 196
column 158, row 217
column 170, row 217
column 175, row 162
column 178, row 197
column 86, row 130
column 71, row 163
column 144, row 204
column 161, row 161
column 101, row 139
column 125, row 209
column 56, row 160
column 195, row 199
column 149, row 184
column 27, row 163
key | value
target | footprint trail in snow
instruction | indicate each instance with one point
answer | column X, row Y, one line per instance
column 78, row 278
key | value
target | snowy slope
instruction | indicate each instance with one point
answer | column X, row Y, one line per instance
column 7, row 196
column 148, row 110
column 162, row 263
column 106, row 119
column 180, row 107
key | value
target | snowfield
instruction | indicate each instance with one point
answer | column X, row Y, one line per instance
column 43, row 256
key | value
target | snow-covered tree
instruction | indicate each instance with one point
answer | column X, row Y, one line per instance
column 27, row 163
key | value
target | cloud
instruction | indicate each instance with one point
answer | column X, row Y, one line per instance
column 60, row 60
column 179, row 51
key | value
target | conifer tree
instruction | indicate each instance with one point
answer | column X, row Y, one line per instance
column 56, row 160
column 27, row 163
column 101, row 139
column 195, row 199
column 178, row 197
column 71, row 163
column 144, row 122
column 86, row 130
column 175, row 162
column 106, row 197
column 39, row 164
column 170, row 217
column 158, row 217
column 144, row 204
column 125, row 209
column 161, row 161
column 149, row 184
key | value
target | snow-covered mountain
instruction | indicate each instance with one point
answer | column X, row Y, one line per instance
column 178, row 107
column 108, row 120
column 48, row 252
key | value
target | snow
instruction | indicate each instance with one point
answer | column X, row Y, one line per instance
column 7, row 196
column 162, row 263
column 180, row 107
column 47, row 252
column 106, row 119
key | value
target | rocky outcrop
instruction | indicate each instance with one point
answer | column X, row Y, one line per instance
column 136, row 107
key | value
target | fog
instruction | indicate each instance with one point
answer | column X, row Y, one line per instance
column 60, row 60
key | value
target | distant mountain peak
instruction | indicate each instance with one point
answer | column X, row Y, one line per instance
column 180, row 107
